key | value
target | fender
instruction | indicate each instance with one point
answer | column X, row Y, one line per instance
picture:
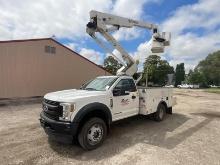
column 93, row 107
column 162, row 102
column 168, row 109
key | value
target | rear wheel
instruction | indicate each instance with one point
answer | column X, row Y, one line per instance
column 92, row 134
column 160, row 113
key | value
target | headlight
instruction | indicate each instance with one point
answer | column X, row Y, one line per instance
column 67, row 110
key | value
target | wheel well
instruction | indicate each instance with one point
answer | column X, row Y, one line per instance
column 94, row 113
column 164, row 103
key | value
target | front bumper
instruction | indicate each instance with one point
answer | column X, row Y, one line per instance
column 58, row 129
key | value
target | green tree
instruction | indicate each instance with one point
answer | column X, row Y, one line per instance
column 111, row 65
column 156, row 70
column 210, row 68
column 196, row 77
column 179, row 74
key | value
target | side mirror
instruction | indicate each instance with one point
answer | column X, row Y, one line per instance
column 126, row 92
column 116, row 92
column 120, row 92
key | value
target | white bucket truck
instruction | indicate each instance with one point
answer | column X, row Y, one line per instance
column 87, row 113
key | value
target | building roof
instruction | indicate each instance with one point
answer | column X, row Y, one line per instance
column 41, row 39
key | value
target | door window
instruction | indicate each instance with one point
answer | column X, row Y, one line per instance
column 126, row 85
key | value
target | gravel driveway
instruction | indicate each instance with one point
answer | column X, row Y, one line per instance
column 190, row 136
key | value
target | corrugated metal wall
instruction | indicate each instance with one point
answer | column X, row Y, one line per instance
column 27, row 70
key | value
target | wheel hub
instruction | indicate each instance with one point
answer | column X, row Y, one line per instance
column 95, row 134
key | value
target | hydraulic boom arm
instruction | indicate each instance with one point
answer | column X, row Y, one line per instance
column 105, row 23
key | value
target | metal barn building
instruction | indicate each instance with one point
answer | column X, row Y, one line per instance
column 34, row 67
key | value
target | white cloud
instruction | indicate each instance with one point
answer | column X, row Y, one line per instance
column 127, row 34
column 204, row 14
column 29, row 19
column 143, row 51
column 130, row 9
column 92, row 55
column 187, row 44
column 193, row 47
column 64, row 19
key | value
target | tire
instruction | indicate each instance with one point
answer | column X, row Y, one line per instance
column 92, row 133
column 160, row 113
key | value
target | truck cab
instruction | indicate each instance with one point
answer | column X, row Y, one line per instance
column 86, row 114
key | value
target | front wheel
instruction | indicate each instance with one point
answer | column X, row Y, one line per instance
column 92, row 134
column 160, row 113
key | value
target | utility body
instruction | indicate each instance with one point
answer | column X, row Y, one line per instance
column 86, row 114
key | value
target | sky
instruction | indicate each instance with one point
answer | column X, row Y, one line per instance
column 194, row 26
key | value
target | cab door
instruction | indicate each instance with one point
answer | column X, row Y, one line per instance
column 125, row 99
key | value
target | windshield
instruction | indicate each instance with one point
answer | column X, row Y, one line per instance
column 99, row 84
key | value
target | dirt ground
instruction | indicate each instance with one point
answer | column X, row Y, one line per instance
column 190, row 136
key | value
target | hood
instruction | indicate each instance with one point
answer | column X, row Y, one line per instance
column 72, row 94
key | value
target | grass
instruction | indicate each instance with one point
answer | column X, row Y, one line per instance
column 213, row 90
